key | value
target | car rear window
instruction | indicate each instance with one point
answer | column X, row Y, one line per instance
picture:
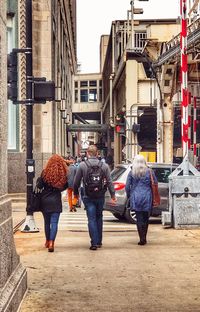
column 162, row 174
column 117, row 172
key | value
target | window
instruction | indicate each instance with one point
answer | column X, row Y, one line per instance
column 117, row 172
column 76, row 96
column 84, row 83
column 84, row 95
column 162, row 174
column 93, row 83
column 140, row 39
column 76, row 84
column 100, row 95
column 13, row 111
column 92, row 95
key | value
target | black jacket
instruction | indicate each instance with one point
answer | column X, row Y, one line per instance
column 51, row 197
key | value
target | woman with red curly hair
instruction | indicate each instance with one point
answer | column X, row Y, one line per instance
column 53, row 181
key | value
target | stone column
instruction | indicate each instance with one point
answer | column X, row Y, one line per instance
column 13, row 279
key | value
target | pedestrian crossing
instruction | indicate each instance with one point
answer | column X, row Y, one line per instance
column 77, row 221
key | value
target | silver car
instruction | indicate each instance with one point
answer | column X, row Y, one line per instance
column 120, row 209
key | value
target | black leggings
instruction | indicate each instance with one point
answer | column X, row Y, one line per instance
column 142, row 217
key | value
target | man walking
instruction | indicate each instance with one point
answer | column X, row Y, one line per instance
column 96, row 178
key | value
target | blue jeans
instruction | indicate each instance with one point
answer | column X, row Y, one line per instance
column 94, row 209
column 51, row 224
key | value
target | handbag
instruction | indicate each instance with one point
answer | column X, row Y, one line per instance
column 155, row 192
column 36, row 197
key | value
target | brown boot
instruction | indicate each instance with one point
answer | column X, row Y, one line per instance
column 51, row 246
column 46, row 244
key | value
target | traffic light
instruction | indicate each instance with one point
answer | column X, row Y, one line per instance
column 12, row 76
column 136, row 128
column 44, row 91
column 120, row 124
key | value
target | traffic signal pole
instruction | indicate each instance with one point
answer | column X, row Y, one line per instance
column 29, row 106
column 29, row 225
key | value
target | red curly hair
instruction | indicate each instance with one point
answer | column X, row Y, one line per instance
column 55, row 172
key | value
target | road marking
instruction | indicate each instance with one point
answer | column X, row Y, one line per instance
column 76, row 221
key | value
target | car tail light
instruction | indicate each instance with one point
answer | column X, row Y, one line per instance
column 118, row 186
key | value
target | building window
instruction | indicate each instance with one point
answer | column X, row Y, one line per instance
column 93, row 83
column 100, row 94
column 13, row 111
column 84, row 83
column 92, row 95
column 140, row 39
column 12, row 128
column 84, row 95
column 76, row 96
column 76, row 84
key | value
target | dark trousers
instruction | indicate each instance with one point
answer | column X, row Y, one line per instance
column 142, row 225
column 142, row 217
column 94, row 209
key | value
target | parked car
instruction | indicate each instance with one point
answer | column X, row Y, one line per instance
column 120, row 209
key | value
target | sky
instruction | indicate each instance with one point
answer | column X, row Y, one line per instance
column 94, row 18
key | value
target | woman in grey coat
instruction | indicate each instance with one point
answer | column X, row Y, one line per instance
column 138, row 190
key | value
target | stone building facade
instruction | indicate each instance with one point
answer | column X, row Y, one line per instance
column 13, row 279
column 54, row 57
column 130, row 89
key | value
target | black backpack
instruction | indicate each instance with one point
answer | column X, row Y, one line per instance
column 95, row 186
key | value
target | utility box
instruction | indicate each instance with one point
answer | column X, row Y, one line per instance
column 185, row 201
column 184, row 198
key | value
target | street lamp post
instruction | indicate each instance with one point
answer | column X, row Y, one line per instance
column 134, row 11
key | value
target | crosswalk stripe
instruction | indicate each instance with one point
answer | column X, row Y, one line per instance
column 76, row 221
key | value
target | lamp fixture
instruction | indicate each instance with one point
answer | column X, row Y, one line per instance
column 62, row 106
column 58, row 94
column 63, row 114
column 67, row 119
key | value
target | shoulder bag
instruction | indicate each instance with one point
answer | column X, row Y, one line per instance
column 36, row 199
column 155, row 192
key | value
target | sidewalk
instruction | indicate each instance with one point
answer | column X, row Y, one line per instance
column 121, row 276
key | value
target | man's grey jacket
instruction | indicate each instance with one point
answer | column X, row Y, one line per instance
column 81, row 174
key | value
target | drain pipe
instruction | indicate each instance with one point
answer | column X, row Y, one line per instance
column 111, row 101
column 113, row 47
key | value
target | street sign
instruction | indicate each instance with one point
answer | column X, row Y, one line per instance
column 87, row 128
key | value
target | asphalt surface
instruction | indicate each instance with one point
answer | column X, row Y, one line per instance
column 162, row 276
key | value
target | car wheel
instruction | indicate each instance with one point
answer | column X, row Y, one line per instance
column 118, row 216
column 130, row 216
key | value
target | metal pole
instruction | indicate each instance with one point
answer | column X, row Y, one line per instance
column 132, row 25
column 29, row 225
column 29, row 106
column 189, row 120
column 195, row 130
column 184, row 76
column 128, row 26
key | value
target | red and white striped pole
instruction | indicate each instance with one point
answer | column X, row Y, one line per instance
column 195, row 131
column 189, row 119
column 184, row 78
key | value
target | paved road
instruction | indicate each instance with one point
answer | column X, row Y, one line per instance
column 77, row 221
column 162, row 276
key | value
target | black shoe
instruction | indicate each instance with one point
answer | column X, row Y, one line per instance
column 99, row 245
column 93, row 247
column 141, row 243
